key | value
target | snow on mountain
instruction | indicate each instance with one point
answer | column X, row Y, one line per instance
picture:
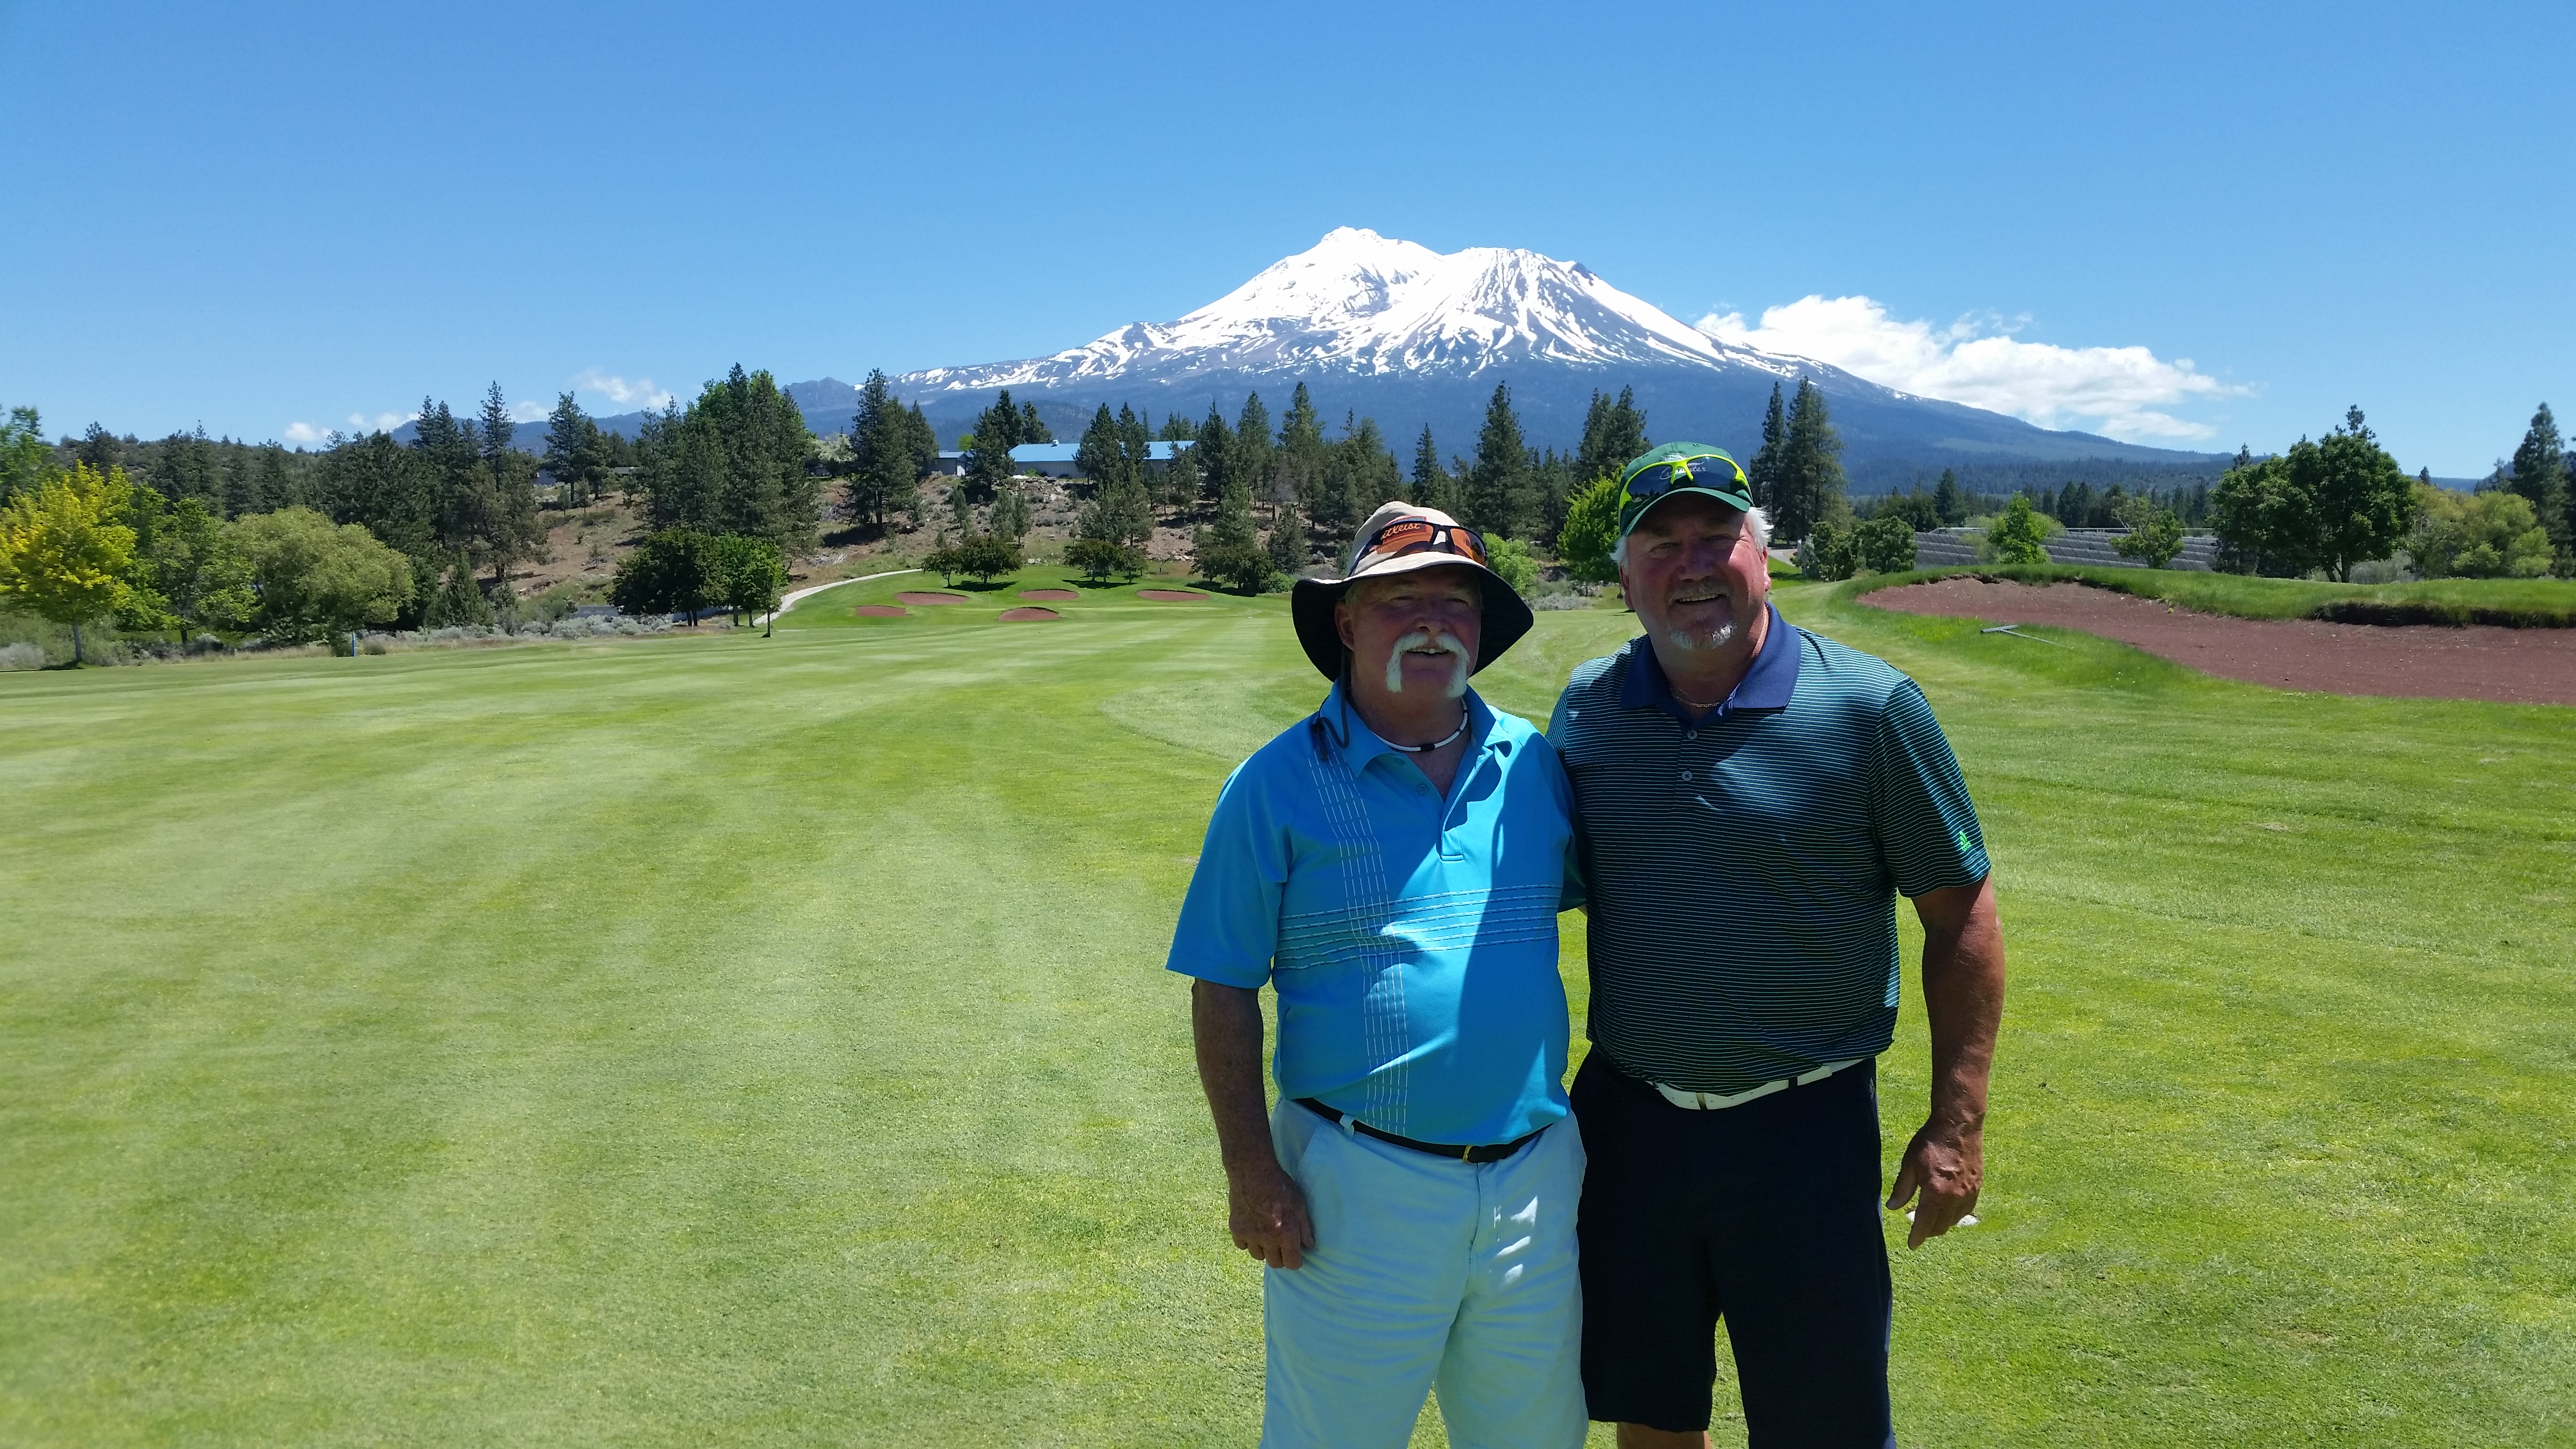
column 1359, row 303
column 1390, row 329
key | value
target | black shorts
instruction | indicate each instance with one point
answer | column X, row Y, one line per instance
column 1765, row 1215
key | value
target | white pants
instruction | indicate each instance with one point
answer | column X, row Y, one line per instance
column 1425, row 1271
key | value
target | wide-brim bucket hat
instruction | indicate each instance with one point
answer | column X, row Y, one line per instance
column 1385, row 546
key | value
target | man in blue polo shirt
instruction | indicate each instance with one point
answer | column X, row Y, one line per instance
column 1393, row 865
column 1750, row 799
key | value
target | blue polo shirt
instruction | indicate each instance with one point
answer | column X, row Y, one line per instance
column 1412, row 938
column 1744, row 869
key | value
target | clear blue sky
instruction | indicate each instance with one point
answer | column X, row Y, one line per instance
column 259, row 215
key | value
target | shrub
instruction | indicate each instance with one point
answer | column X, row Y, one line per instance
column 2015, row 537
column 2154, row 537
column 1099, row 558
column 1885, row 544
column 1591, row 527
column 1511, row 558
column 1830, row 552
column 1241, row 566
column 2488, row 535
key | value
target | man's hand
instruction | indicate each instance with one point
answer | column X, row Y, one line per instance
column 1963, row 995
column 1948, row 1163
column 1267, row 1215
column 1263, row 1208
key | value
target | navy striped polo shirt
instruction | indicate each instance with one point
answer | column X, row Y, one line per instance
column 1743, row 871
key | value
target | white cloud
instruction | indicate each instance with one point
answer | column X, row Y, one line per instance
column 528, row 412
column 381, row 422
column 303, row 433
column 640, row 392
column 2118, row 391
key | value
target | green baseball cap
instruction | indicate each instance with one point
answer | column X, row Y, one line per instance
column 1677, row 468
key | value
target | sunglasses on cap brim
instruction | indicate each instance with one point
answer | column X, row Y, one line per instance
column 1706, row 470
column 1421, row 535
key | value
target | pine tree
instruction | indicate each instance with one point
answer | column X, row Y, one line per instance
column 885, row 454
column 1228, row 551
column 1288, row 538
column 99, row 448
column 1009, row 515
column 997, row 432
column 2540, row 475
column 1301, row 450
column 573, row 452
column 1614, row 435
column 1433, row 485
column 1255, row 452
column 1102, row 454
column 1033, row 429
column 1809, row 486
column 1763, row 474
column 1946, row 502
column 497, row 429
column 1215, row 455
column 1501, row 498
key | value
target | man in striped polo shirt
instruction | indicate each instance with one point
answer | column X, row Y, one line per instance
column 1750, row 799
column 1393, row 866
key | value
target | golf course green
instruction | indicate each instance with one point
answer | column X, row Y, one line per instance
column 716, row 1039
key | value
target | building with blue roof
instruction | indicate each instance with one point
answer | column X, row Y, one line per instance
column 1055, row 460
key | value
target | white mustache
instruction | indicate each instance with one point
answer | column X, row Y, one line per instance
column 1461, row 661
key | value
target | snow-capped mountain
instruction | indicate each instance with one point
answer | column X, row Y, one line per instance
column 1361, row 304
column 1393, row 330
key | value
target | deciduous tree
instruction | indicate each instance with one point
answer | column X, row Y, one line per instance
column 64, row 553
column 1591, row 529
column 186, row 561
column 2016, row 537
column 2154, row 536
column 318, row 580
column 2327, row 504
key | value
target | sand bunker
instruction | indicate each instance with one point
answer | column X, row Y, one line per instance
column 2424, row 661
column 1171, row 596
column 1028, row 615
column 1052, row 596
column 881, row 611
column 932, row 599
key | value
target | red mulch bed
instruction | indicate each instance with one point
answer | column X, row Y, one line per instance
column 1029, row 616
column 932, row 599
column 2511, row 666
column 881, row 611
column 1052, row 596
column 1171, row 596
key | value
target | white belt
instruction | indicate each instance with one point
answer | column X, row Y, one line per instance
column 1714, row 1101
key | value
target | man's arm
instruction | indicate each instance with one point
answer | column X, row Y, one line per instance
column 1963, row 995
column 1264, row 1209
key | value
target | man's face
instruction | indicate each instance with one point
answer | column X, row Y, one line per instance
column 1415, row 633
column 1693, row 574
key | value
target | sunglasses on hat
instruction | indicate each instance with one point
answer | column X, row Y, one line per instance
column 1706, row 470
column 1421, row 535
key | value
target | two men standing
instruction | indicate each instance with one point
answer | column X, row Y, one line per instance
column 1738, row 804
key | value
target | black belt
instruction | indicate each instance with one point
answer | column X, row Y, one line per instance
column 1494, row 1153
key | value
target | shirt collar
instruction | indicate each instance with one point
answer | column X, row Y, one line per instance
column 1365, row 745
column 1767, row 684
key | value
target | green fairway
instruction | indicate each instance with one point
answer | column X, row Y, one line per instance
column 735, row 1040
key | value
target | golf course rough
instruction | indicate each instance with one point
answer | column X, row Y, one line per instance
column 718, row 1039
